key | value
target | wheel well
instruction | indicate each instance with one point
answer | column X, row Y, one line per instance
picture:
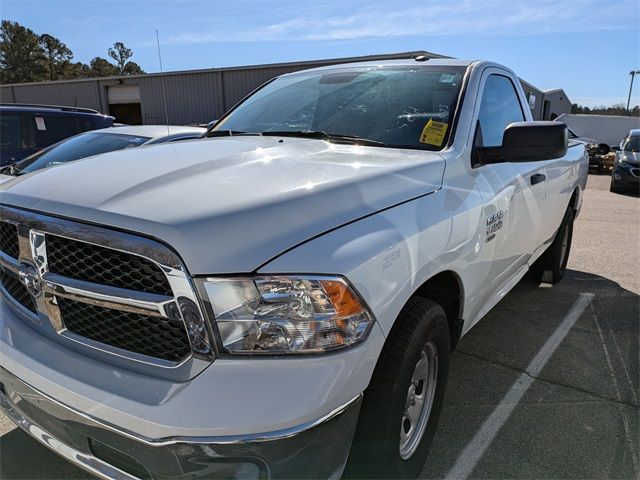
column 445, row 289
column 575, row 198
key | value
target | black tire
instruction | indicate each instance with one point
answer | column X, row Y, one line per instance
column 375, row 452
column 550, row 267
column 612, row 187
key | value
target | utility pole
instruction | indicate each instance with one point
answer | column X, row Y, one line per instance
column 633, row 74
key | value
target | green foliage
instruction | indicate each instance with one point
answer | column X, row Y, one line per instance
column 618, row 109
column 56, row 53
column 26, row 56
column 100, row 67
column 21, row 56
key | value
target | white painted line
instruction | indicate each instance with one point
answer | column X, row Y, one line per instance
column 473, row 452
column 625, row 420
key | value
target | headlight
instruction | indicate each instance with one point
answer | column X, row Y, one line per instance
column 287, row 314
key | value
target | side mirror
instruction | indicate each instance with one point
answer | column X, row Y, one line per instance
column 615, row 148
column 528, row 142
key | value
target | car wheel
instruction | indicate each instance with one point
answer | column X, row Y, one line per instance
column 550, row 267
column 613, row 188
column 402, row 404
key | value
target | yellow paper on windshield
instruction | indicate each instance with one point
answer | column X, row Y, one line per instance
column 433, row 133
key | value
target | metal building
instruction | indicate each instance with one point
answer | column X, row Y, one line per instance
column 199, row 96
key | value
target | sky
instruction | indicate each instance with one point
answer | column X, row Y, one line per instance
column 586, row 47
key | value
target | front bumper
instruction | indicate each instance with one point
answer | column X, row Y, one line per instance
column 626, row 176
column 318, row 450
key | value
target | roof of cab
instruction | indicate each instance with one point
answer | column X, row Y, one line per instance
column 440, row 62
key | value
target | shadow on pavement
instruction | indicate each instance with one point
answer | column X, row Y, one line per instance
column 579, row 419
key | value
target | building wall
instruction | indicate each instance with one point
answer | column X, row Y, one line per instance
column 82, row 93
column 558, row 104
column 609, row 129
column 534, row 97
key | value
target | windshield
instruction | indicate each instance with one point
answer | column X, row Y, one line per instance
column 404, row 107
column 632, row 144
column 80, row 146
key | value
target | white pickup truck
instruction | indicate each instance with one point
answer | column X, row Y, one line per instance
column 280, row 299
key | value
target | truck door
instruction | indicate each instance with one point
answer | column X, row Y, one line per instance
column 512, row 193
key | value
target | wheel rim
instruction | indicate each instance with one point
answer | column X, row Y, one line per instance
column 419, row 401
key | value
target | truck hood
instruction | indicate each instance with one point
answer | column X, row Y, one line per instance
column 229, row 205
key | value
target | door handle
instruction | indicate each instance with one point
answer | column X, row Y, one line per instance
column 538, row 178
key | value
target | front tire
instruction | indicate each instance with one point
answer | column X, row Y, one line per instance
column 613, row 188
column 551, row 266
column 402, row 404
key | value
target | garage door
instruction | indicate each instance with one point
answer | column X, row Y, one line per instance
column 123, row 94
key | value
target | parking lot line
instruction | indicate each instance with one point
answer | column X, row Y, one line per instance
column 473, row 452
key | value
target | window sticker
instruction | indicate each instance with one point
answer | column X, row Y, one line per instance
column 447, row 77
column 433, row 133
column 40, row 123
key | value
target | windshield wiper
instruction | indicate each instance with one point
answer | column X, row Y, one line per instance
column 321, row 135
column 226, row 133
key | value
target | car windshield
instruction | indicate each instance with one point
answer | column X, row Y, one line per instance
column 632, row 144
column 403, row 107
column 80, row 146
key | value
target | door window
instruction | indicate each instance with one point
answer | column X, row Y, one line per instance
column 49, row 129
column 10, row 131
column 500, row 106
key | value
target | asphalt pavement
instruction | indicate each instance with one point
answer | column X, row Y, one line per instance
column 544, row 387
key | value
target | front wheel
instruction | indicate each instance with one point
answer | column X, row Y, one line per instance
column 551, row 266
column 612, row 187
column 402, row 404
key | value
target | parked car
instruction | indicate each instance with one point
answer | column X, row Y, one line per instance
column 626, row 168
column 281, row 299
column 101, row 141
column 594, row 149
column 25, row 128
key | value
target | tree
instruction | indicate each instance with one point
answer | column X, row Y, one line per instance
column 56, row 54
column 121, row 56
column 22, row 58
column 101, row 67
column 70, row 70
column 132, row 68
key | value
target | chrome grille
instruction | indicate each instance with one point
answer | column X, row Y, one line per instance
column 157, row 337
column 9, row 239
column 124, row 298
column 17, row 291
column 635, row 172
column 93, row 263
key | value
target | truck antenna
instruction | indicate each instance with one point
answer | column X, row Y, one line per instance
column 164, row 91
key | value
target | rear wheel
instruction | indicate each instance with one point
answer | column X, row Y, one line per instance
column 551, row 266
column 402, row 404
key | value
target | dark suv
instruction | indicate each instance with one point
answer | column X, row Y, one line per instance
column 25, row 129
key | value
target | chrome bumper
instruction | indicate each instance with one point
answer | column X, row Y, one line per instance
column 317, row 450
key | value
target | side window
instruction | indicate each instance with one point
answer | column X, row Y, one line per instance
column 10, row 131
column 500, row 106
column 49, row 129
column 84, row 124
